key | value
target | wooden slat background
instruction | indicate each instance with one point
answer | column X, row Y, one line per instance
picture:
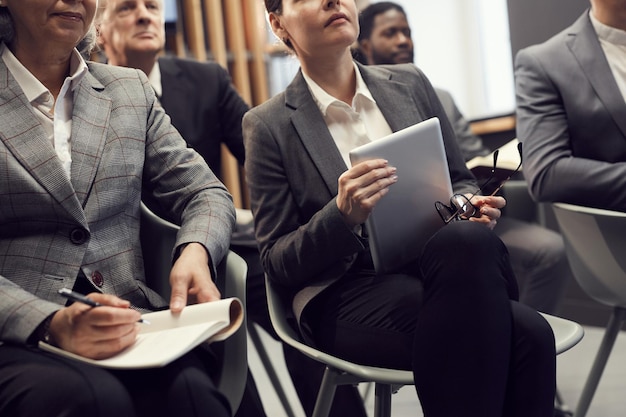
column 232, row 33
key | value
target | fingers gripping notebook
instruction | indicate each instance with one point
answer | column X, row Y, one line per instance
column 405, row 218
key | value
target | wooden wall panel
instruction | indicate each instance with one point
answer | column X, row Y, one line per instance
column 194, row 28
column 224, row 26
column 214, row 16
column 256, row 40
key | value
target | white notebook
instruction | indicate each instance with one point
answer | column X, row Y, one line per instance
column 405, row 218
column 169, row 336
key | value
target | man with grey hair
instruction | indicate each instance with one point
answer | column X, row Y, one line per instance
column 207, row 110
column 200, row 99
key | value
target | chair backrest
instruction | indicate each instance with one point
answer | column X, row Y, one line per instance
column 158, row 237
column 595, row 243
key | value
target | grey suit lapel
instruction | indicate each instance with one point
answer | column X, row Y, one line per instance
column 311, row 127
column 393, row 99
column 598, row 71
column 25, row 138
column 89, row 127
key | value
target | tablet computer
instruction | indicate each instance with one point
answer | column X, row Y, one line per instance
column 405, row 218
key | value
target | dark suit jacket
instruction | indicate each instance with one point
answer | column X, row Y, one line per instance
column 293, row 165
column 571, row 118
column 204, row 107
column 52, row 227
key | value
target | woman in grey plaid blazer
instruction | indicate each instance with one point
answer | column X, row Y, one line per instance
column 79, row 142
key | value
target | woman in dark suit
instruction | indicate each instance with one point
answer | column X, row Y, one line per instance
column 451, row 316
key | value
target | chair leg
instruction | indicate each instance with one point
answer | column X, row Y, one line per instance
column 608, row 340
column 366, row 392
column 326, row 393
column 382, row 402
column 558, row 399
column 269, row 369
column 560, row 408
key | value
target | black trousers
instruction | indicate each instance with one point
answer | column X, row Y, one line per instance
column 35, row 383
column 453, row 321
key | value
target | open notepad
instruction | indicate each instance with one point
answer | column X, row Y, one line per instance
column 169, row 336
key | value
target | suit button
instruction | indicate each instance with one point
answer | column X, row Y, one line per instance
column 78, row 236
column 96, row 278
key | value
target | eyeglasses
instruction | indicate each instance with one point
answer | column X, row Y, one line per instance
column 460, row 207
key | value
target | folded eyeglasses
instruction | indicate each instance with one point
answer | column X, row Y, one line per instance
column 460, row 207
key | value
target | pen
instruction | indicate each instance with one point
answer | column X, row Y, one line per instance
column 80, row 298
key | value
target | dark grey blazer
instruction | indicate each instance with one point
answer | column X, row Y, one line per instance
column 292, row 167
column 571, row 118
column 52, row 228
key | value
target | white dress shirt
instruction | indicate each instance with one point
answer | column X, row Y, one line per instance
column 350, row 126
column 155, row 79
column 613, row 42
column 55, row 117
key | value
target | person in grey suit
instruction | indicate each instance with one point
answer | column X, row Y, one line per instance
column 537, row 254
column 571, row 110
column 79, row 142
column 449, row 316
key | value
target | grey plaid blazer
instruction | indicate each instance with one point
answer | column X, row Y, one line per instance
column 52, row 228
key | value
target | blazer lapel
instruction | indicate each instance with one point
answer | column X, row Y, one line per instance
column 311, row 127
column 597, row 70
column 392, row 98
column 92, row 110
column 23, row 135
column 171, row 75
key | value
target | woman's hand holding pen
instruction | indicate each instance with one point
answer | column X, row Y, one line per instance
column 361, row 187
column 96, row 333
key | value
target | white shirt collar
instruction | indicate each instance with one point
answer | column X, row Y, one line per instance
column 607, row 33
column 32, row 87
column 155, row 79
column 324, row 100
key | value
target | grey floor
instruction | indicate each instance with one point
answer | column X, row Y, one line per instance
column 572, row 369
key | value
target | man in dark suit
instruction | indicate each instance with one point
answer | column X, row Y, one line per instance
column 537, row 254
column 207, row 111
column 573, row 122
column 198, row 96
column 204, row 107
